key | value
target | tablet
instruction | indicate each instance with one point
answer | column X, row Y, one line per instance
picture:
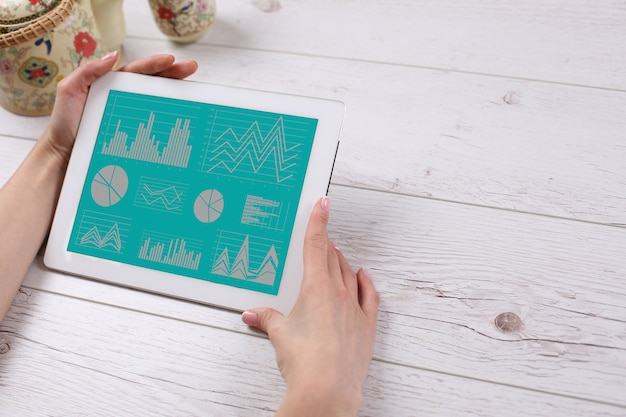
column 196, row 191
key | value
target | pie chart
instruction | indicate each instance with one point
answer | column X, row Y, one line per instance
column 208, row 206
column 109, row 185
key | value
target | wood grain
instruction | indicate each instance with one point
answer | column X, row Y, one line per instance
column 121, row 361
column 487, row 141
column 481, row 174
column 445, row 272
column 574, row 42
column 12, row 153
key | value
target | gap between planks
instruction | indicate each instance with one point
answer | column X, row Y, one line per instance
column 421, row 197
column 259, row 335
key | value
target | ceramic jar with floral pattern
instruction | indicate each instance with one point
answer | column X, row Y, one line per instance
column 183, row 20
column 42, row 41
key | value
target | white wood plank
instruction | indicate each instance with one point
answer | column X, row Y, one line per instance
column 12, row 153
column 445, row 272
column 62, row 356
column 575, row 276
column 29, row 127
column 574, row 41
column 556, row 150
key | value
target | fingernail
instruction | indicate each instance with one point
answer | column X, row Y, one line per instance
column 325, row 203
column 250, row 318
column 332, row 242
column 110, row 55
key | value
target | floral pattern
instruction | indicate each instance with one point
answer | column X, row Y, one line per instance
column 183, row 19
column 38, row 72
column 166, row 13
column 6, row 66
column 84, row 44
column 28, row 80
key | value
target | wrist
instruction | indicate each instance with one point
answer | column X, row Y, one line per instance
column 56, row 156
column 41, row 173
column 317, row 403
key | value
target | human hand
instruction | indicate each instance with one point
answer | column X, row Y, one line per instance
column 325, row 346
column 72, row 94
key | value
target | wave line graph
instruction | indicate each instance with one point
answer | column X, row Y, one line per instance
column 102, row 232
column 254, row 153
column 110, row 238
column 161, row 195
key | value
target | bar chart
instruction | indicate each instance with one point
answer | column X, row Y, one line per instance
column 175, row 151
column 172, row 251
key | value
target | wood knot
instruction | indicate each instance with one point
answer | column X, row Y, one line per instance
column 4, row 348
column 267, row 6
column 511, row 98
column 508, row 322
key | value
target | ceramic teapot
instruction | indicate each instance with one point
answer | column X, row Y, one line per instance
column 41, row 41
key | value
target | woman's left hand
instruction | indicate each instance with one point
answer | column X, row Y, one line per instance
column 72, row 94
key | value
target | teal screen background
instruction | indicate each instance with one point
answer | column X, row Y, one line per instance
column 201, row 190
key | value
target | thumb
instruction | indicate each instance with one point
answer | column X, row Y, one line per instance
column 263, row 319
column 79, row 80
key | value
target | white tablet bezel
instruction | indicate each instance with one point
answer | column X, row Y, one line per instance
column 329, row 114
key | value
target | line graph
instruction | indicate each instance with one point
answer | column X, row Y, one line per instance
column 102, row 231
column 110, row 239
column 161, row 195
column 262, row 254
column 254, row 147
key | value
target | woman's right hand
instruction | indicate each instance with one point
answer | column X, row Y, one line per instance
column 325, row 346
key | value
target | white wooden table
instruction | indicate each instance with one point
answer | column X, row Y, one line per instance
column 482, row 171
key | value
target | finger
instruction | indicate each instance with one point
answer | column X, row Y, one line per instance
column 368, row 297
column 71, row 95
column 162, row 66
column 263, row 319
column 79, row 80
column 179, row 70
column 334, row 268
column 316, row 241
column 150, row 65
column 349, row 277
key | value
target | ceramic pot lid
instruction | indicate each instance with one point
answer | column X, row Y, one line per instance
column 28, row 30
column 17, row 13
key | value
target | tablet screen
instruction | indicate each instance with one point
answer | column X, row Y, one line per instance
column 201, row 190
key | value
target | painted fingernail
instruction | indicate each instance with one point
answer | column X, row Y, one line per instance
column 325, row 203
column 110, row 55
column 332, row 242
column 250, row 318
